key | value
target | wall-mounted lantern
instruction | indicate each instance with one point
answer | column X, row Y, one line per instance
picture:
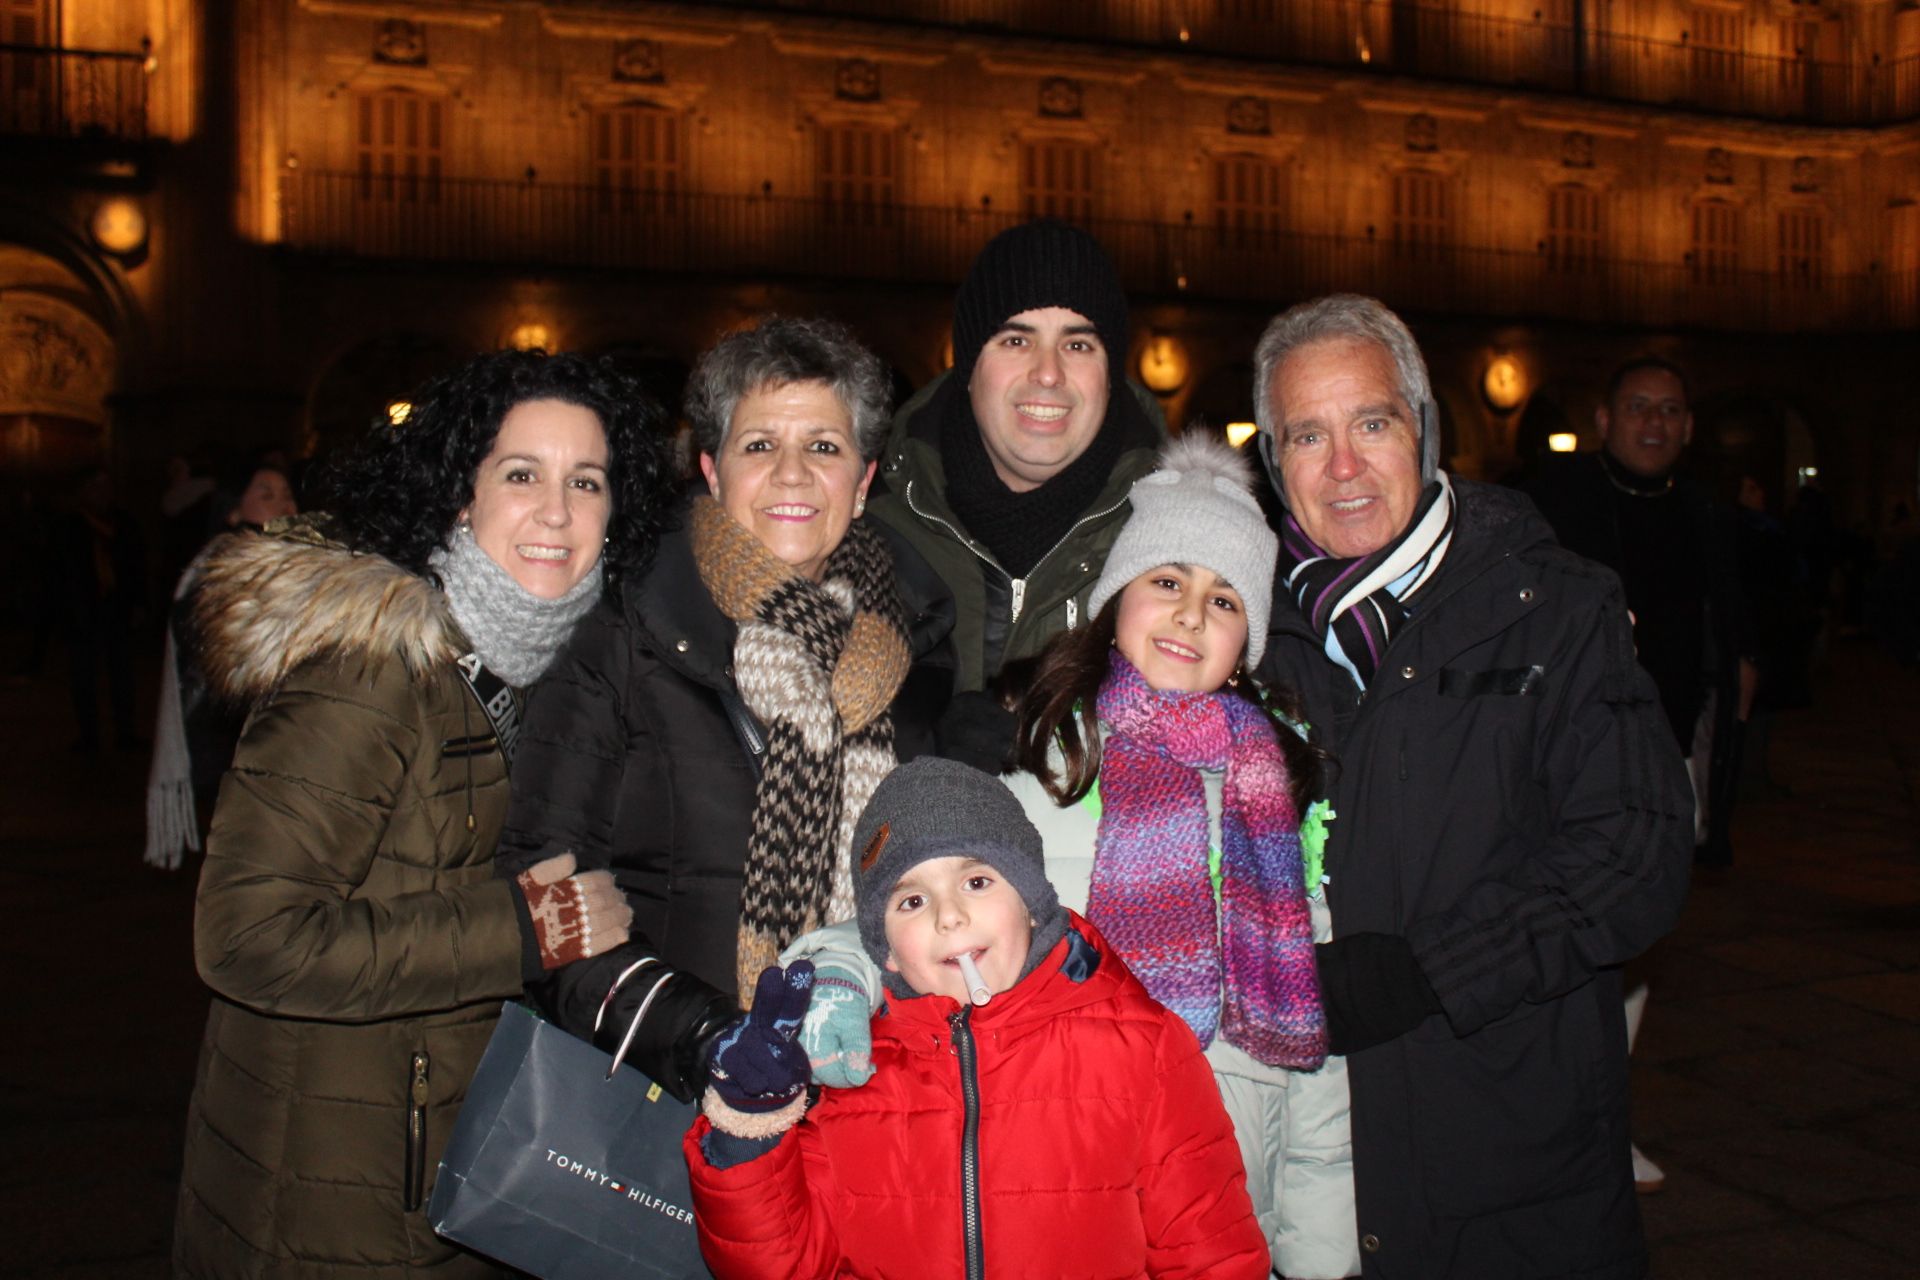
column 1164, row 365
column 1504, row 384
column 119, row 227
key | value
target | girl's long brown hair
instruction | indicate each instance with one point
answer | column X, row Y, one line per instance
column 1053, row 697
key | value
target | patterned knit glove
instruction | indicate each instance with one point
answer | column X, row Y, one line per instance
column 574, row 916
column 838, row 1031
column 758, row 1082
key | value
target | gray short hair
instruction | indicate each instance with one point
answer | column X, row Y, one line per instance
column 778, row 351
column 1332, row 318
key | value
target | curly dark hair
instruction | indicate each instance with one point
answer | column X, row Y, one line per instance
column 1053, row 696
column 400, row 491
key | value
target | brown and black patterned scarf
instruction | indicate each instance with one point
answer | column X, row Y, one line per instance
column 818, row 664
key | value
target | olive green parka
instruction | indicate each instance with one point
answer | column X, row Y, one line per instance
column 349, row 922
column 1000, row 618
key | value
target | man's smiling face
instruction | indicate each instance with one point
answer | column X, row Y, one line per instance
column 1039, row 394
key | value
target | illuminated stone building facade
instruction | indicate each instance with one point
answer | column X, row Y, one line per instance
column 323, row 200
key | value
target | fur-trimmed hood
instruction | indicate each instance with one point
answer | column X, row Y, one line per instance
column 265, row 603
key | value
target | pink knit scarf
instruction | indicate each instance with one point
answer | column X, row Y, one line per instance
column 1243, row 969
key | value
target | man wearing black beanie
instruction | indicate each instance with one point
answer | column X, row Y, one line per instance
column 1010, row 473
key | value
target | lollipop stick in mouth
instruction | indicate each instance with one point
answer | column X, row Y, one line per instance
column 976, row 985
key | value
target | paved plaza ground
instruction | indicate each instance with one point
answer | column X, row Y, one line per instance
column 1777, row 1075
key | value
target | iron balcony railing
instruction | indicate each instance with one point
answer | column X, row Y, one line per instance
column 428, row 218
column 73, row 93
column 1436, row 41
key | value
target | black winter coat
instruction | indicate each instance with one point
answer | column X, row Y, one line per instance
column 1583, row 506
column 638, row 754
column 1509, row 799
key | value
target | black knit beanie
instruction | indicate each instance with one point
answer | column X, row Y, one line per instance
column 1039, row 264
column 936, row 808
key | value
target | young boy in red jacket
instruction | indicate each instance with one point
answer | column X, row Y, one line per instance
column 1033, row 1112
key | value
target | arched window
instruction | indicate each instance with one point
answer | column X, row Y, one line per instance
column 636, row 157
column 1422, row 216
column 1059, row 179
column 1716, row 242
column 1573, row 229
column 1249, row 203
column 1800, row 248
column 857, row 174
column 399, row 143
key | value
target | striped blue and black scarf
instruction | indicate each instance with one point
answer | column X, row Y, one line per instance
column 1360, row 601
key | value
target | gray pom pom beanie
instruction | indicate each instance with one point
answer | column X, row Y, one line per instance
column 1197, row 507
column 935, row 808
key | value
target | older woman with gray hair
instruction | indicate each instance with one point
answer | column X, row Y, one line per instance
column 714, row 737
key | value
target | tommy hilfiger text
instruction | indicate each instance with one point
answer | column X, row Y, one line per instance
column 641, row 1197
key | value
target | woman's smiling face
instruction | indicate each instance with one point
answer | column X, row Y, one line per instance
column 790, row 471
column 541, row 499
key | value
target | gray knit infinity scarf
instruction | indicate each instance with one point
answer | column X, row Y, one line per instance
column 516, row 633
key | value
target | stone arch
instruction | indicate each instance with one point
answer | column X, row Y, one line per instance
column 59, row 364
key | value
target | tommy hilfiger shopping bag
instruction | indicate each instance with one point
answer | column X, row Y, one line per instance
column 562, row 1170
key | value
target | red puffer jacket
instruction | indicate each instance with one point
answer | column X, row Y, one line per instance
column 1102, row 1147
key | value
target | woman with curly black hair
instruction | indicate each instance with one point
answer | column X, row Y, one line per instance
column 349, row 921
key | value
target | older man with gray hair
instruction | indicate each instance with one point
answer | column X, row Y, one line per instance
column 1513, row 821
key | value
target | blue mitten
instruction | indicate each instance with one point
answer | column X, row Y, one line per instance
column 758, row 1072
column 838, row 1031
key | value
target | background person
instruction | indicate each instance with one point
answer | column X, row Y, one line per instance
column 193, row 735
column 1081, row 1135
column 98, row 587
column 1512, row 821
column 1677, row 552
column 348, row 921
column 713, row 736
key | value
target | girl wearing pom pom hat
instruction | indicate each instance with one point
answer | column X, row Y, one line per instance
column 1170, row 792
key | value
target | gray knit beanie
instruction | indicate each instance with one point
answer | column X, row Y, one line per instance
column 935, row 808
column 1197, row 507
column 1034, row 265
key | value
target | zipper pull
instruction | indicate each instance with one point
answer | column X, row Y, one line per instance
column 1019, row 597
column 1073, row 613
column 414, row 1173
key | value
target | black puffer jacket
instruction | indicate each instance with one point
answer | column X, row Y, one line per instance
column 1509, row 799
column 638, row 754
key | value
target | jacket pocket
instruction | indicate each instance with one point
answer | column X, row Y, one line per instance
column 1536, row 1127
column 414, row 1175
column 1503, row 682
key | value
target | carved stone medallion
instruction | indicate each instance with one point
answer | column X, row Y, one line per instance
column 638, row 62
column 857, row 80
column 1060, row 97
column 400, row 43
column 1249, row 115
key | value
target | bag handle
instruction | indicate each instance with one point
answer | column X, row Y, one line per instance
column 626, row 1041
column 606, row 1001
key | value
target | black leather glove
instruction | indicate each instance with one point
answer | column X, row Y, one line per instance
column 976, row 729
column 1373, row 990
column 674, row 1039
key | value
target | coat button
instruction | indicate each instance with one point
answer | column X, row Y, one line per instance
column 1526, row 595
column 679, row 646
column 1085, row 567
column 1406, row 673
column 1370, row 1242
